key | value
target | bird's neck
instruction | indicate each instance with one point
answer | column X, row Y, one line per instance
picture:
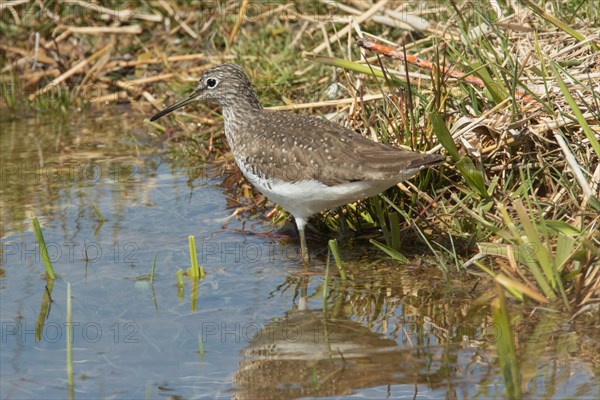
column 240, row 99
column 240, row 108
column 236, row 117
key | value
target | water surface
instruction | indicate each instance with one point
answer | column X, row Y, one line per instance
column 257, row 325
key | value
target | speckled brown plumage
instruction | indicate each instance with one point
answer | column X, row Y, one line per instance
column 306, row 164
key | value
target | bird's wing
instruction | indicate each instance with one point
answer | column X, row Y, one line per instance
column 334, row 155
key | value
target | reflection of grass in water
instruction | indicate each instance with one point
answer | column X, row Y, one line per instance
column 505, row 347
column 428, row 312
column 44, row 309
column 335, row 251
column 64, row 162
column 194, row 293
column 325, row 282
column 375, row 292
column 69, row 336
column 9, row 95
column 420, row 322
column 200, row 345
column 180, row 281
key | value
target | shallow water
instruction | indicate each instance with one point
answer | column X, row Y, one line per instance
column 256, row 326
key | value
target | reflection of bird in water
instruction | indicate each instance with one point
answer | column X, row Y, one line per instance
column 306, row 354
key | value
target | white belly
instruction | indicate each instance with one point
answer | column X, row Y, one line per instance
column 305, row 198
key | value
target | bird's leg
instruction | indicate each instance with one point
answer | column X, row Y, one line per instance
column 304, row 248
column 343, row 230
column 301, row 223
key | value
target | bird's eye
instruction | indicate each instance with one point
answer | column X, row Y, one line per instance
column 211, row 83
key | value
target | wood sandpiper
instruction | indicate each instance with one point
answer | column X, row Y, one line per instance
column 304, row 163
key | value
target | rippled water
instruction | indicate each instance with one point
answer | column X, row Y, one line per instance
column 256, row 326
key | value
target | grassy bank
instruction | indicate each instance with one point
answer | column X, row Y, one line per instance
column 510, row 95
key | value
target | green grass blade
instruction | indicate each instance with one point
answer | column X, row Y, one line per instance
column 540, row 251
column 526, row 251
column 43, row 250
column 98, row 213
column 395, row 229
column 578, row 114
column 356, row 67
column 380, row 213
column 333, row 246
column 520, row 289
column 396, row 255
column 555, row 226
column 565, row 249
column 495, row 90
column 193, row 257
column 443, row 134
column 516, row 294
column 195, row 271
column 153, row 268
column 553, row 20
column 473, row 177
column 505, row 347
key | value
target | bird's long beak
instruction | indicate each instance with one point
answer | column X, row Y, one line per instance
column 193, row 98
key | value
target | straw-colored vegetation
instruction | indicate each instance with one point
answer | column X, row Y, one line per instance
column 510, row 93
